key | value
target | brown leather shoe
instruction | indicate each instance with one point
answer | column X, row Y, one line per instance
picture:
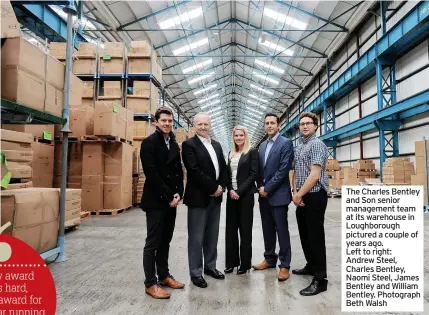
column 263, row 265
column 157, row 292
column 172, row 283
column 283, row 274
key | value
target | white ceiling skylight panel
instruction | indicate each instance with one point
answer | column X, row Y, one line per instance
column 198, row 66
column 201, row 77
column 253, row 86
column 185, row 17
column 276, row 47
column 268, row 66
column 203, row 107
column 205, row 89
column 208, row 98
column 191, row 46
column 257, row 98
column 256, row 104
column 264, row 77
column 278, row 17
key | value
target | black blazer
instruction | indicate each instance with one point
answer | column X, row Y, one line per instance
column 163, row 171
column 201, row 180
column 247, row 172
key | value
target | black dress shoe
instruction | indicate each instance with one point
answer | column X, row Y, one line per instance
column 199, row 282
column 242, row 271
column 214, row 273
column 315, row 287
column 229, row 270
column 303, row 272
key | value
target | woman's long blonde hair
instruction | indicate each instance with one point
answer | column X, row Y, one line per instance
column 246, row 146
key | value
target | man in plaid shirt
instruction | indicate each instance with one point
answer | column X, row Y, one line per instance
column 310, row 187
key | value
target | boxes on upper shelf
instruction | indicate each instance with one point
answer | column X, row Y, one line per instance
column 112, row 58
column 140, row 49
column 10, row 27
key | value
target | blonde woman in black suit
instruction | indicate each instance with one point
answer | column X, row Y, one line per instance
column 243, row 162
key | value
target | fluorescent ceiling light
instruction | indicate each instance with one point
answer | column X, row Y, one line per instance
column 202, row 77
column 268, row 66
column 185, row 17
column 215, row 109
column 285, row 19
column 205, row 89
column 197, row 66
column 261, row 89
column 208, row 98
column 211, row 103
column 252, row 122
column 266, row 78
column 276, row 47
column 194, row 45
column 259, row 99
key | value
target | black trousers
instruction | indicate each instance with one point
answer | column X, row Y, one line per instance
column 310, row 220
column 239, row 219
column 275, row 225
column 160, row 226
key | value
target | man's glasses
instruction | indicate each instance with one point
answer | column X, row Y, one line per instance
column 306, row 124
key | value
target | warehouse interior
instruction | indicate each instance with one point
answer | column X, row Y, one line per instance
column 81, row 81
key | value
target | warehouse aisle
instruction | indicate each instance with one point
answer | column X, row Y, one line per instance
column 104, row 274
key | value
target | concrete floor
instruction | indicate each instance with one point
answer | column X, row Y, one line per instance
column 103, row 274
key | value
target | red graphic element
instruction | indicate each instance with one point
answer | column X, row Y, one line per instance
column 26, row 283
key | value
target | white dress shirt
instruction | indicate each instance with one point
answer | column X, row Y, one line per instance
column 207, row 143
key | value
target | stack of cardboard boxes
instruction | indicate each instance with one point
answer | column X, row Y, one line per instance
column 397, row 170
column 85, row 62
column 144, row 99
column 112, row 59
column 16, row 148
column 10, row 26
column 347, row 175
column 421, row 171
column 73, row 207
column 31, row 77
column 143, row 129
column 181, row 135
column 113, row 120
column 142, row 59
column 107, row 176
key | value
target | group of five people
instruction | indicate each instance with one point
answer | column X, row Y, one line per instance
column 280, row 175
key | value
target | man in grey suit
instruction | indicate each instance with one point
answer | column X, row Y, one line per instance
column 276, row 157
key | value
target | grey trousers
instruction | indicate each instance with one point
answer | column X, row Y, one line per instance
column 203, row 234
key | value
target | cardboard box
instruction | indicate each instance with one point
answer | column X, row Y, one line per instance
column 76, row 90
column 18, row 155
column 139, row 65
column 86, row 50
column 419, row 148
column 118, row 159
column 113, row 50
column 54, row 101
column 420, row 164
column 129, row 128
column 140, row 49
column 112, row 89
column 93, row 158
column 110, row 119
column 20, row 185
column 58, row 50
column 38, row 131
column 332, row 165
column 33, row 213
column 143, row 129
column 84, row 66
column 75, row 159
column 81, row 121
column 72, row 214
column 117, row 192
column 112, row 66
column 73, row 204
column 181, row 134
column 74, row 182
column 92, row 193
column 88, row 89
column 419, row 180
column 22, row 87
column 10, row 26
column 43, row 165
column 139, row 105
column 55, row 72
column 88, row 102
column 142, row 89
column 72, row 194
column 15, row 136
column 19, row 170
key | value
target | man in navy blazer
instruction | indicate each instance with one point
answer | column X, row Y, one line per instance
column 276, row 157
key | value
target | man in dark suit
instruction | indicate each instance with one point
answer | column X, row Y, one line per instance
column 206, row 181
column 276, row 157
column 163, row 189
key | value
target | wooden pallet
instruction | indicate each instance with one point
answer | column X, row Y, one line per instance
column 71, row 225
column 104, row 139
column 110, row 212
column 85, row 215
column 70, row 139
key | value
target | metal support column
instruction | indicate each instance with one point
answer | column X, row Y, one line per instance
column 70, row 10
column 329, row 125
column 386, row 96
